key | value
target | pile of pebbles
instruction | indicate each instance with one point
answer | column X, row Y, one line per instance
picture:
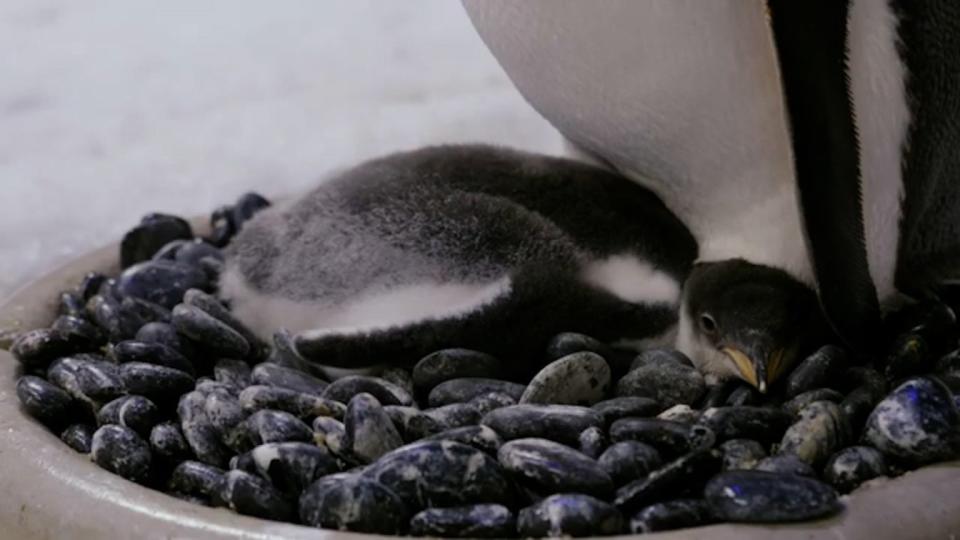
column 150, row 375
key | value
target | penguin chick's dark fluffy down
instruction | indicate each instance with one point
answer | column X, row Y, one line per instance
column 460, row 246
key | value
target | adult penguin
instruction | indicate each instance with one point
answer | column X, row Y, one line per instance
column 809, row 146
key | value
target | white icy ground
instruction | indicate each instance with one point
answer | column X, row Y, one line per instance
column 114, row 108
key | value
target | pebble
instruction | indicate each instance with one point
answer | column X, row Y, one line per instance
column 144, row 312
column 623, row 407
column 567, row 343
column 71, row 304
column 79, row 437
column 857, row 406
column 135, row 412
column 821, row 369
column 786, row 464
column 164, row 334
column 160, row 282
column 441, row 473
column 153, row 232
column 680, row 413
column 344, row 388
column 671, row 515
column 569, row 514
column 741, row 454
column 121, row 451
column 547, row 467
column 449, row 364
column 667, row 382
column 660, row 356
column 215, row 336
column 685, row 475
column 668, row 437
column 169, row 250
column 197, row 479
column 224, row 413
column 90, row 285
column 763, row 424
column 35, row 349
column 400, row 377
column 561, row 423
column 304, row 406
column 593, row 441
column 191, row 253
column 480, row 437
column 268, row 426
column 247, row 494
column 764, row 497
column 44, row 401
column 213, row 307
column 431, row 421
column 199, row 433
column 581, row 378
column 276, row 375
column 627, row 461
column 798, row 402
column 233, row 373
column 465, row 389
column 292, row 466
column 369, row 431
column 87, row 379
column 80, row 332
column 477, row 521
column 490, row 401
column 918, row 422
column 350, row 502
column 151, row 353
column 168, row 444
column 820, row 430
column 853, row 466
column 331, row 434
column 159, row 383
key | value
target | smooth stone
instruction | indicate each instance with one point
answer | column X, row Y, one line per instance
column 490, row 401
column 627, row 461
column 169, row 250
column 449, row 364
column 670, row 515
column 668, row 383
column 581, row 378
column 160, row 282
column 853, row 466
column 247, row 494
column 480, row 437
column 547, row 467
column 370, row 433
column 441, row 473
column 79, row 331
column 210, row 305
column 88, row 380
column 154, row 231
column 79, row 437
column 135, row 412
column 168, row 443
column 304, row 406
column 71, row 304
column 401, row 416
column 569, row 514
column 763, row 424
column 196, row 478
column 918, row 423
column 387, row 393
column 857, row 406
column 276, row 375
column 764, row 497
column 623, row 407
column 786, row 464
column 268, row 426
column 207, row 386
column 658, row 356
column 244, row 462
column 561, row 423
column 465, row 389
column 111, row 316
column 199, row 433
column 350, row 502
column 798, row 402
column 477, row 521
column 739, row 454
column 593, row 441
column 821, row 369
column 151, row 353
column 432, row 421
column 331, row 434
column 121, row 451
column 669, row 438
column 400, row 377
column 159, row 383
column 36, row 349
column 224, row 412
column 192, row 253
column 292, row 466
column 144, row 311
column 680, row 413
column 164, row 334
column 212, row 334
column 821, row 430
column 44, row 401
column 235, row 373
column 567, row 343
column 678, row 478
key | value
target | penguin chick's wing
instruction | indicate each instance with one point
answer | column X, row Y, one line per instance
column 402, row 243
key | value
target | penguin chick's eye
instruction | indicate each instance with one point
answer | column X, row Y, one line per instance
column 707, row 324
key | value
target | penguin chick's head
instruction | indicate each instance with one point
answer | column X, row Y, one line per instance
column 747, row 320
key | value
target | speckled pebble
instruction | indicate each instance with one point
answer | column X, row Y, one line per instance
column 853, row 466
column 44, row 401
column 671, row 515
column 786, row 464
column 151, row 353
column 627, row 461
column 740, row 454
column 79, row 437
column 160, row 384
column 561, row 423
column 247, row 494
column 490, row 401
column 234, row 373
column 431, row 421
column 581, row 378
column 680, row 413
column 763, row 497
column 820, row 430
column 593, row 441
column 566, row 343
column 369, row 431
column 88, row 380
column 763, row 424
column 669, row 438
column 477, row 521
column 196, row 478
column 465, row 389
column 623, row 407
column 292, row 466
column 548, row 467
column 669, row 383
column 569, row 514
column 135, row 412
column 448, row 364
column 269, row 374
column 268, row 426
column 304, row 406
column 121, row 451
column 37, row 348
column 798, row 402
column 387, row 393
column 350, row 502
column 479, row 437
column 682, row 476
column 168, row 444
column 161, row 282
column 917, row 422
column 215, row 336
column 820, row 369
column 199, row 433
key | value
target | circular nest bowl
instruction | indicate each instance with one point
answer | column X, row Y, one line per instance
column 51, row 491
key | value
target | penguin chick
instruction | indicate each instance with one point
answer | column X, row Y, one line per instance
column 460, row 246
column 739, row 319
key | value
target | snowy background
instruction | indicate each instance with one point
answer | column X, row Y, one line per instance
column 115, row 108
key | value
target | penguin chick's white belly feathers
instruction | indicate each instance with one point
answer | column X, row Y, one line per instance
column 466, row 246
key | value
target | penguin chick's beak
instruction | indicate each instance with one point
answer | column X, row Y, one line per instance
column 755, row 367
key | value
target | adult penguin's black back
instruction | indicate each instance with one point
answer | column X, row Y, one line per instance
column 873, row 93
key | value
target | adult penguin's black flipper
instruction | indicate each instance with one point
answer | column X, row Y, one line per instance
column 811, row 41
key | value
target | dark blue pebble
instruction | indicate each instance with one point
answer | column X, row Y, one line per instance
column 431, row 421
column 304, row 406
column 110, row 315
column 135, row 412
column 79, row 437
column 681, row 477
column 71, row 304
column 121, row 451
column 45, row 401
column 90, row 285
column 169, row 251
column 200, row 434
column 292, row 466
column 670, row 515
column 593, row 441
column 209, row 332
column 153, row 232
column 167, row 443
column 566, row 343
column 764, row 497
column 387, row 393
column 191, row 253
column 224, row 413
column 84, row 334
column 742, row 454
column 235, row 373
column 918, row 423
column 623, row 407
column 151, row 353
column 400, row 377
column 369, row 431
column 276, row 375
column 561, row 423
column 853, row 466
column 465, row 389
column 627, row 461
column 786, row 464
column 763, row 424
column 448, row 364
column 744, row 395
column 213, row 307
column 569, row 514
column 350, row 502
column 666, row 381
column 659, row 356
column 821, row 369
column 161, row 282
column 144, row 311
column 196, row 478
column 164, row 334
column 35, row 349
column 668, row 437
column 480, row 437
column 547, row 467
column 798, row 402
column 477, row 521
column 87, row 379
column 269, row 426
column 159, row 383
column 250, row 495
